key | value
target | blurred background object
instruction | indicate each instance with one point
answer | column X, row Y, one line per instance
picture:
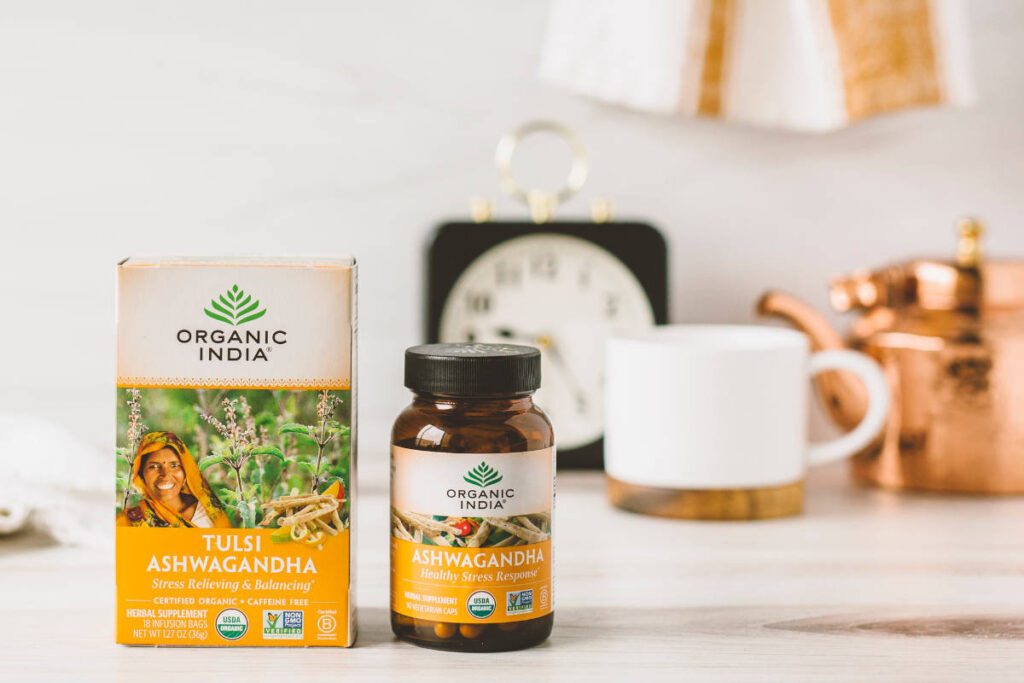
column 314, row 127
column 53, row 483
column 562, row 286
column 808, row 65
column 950, row 335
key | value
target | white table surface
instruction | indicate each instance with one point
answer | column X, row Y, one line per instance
column 867, row 585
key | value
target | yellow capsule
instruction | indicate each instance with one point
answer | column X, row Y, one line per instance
column 444, row 631
column 509, row 626
column 470, row 630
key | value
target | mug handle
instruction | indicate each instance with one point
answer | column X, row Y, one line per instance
column 878, row 404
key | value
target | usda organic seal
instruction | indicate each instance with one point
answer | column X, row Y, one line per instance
column 480, row 604
column 231, row 624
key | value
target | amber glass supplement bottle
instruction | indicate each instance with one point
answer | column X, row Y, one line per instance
column 472, row 493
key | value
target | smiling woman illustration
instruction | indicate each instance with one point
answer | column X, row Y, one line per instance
column 174, row 493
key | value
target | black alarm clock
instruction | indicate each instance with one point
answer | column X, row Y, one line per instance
column 562, row 287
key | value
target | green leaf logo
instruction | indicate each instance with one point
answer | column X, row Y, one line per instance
column 235, row 307
column 482, row 475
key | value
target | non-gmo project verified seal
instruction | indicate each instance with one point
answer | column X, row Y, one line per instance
column 519, row 602
column 282, row 624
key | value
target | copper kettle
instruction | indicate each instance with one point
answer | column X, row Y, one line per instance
column 950, row 337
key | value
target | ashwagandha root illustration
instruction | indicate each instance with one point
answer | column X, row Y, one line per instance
column 309, row 518
column 470, row 532
column 527, row 532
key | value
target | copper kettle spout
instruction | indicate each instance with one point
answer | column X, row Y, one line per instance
column 844, row 396
column 803, row 317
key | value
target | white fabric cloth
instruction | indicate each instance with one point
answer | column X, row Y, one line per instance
column 200, row 518
column 806, row 65
column 53, row 482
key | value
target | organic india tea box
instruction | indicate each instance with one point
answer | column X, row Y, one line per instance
column 235, row 452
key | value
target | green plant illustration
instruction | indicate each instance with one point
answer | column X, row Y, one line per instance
column 126, row 454
column 482, row 475
column 323, row 433
column 235, row 307
column 241, row 442
column 252, row 446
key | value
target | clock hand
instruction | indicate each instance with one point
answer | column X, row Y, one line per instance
column 508, row 333
column 556, row 355
column 547, row 343
column 544, row 341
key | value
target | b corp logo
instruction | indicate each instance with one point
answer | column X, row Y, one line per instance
column 326, row 624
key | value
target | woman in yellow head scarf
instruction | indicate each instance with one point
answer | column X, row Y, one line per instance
column 174, row 492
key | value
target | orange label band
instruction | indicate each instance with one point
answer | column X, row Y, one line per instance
column 470, row 585
column 231, row 383
column 179, row 586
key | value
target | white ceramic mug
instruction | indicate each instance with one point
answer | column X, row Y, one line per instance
column 721, row 409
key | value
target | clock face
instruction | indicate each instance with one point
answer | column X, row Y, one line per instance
column 563, row 295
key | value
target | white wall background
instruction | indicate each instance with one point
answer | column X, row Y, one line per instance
column 217, row 127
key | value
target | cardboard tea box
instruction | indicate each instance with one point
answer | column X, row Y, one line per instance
column 235, row 451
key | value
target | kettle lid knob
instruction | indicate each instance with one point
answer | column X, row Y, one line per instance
column 968, row 250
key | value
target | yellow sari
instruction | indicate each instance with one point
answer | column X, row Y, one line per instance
column 151, row 512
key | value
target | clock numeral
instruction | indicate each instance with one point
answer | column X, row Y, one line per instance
column 508, row 273
column 611, row 305
column 478, row 302
column 544, row 265
column 584, row 281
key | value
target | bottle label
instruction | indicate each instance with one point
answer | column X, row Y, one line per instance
column 471, row 535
